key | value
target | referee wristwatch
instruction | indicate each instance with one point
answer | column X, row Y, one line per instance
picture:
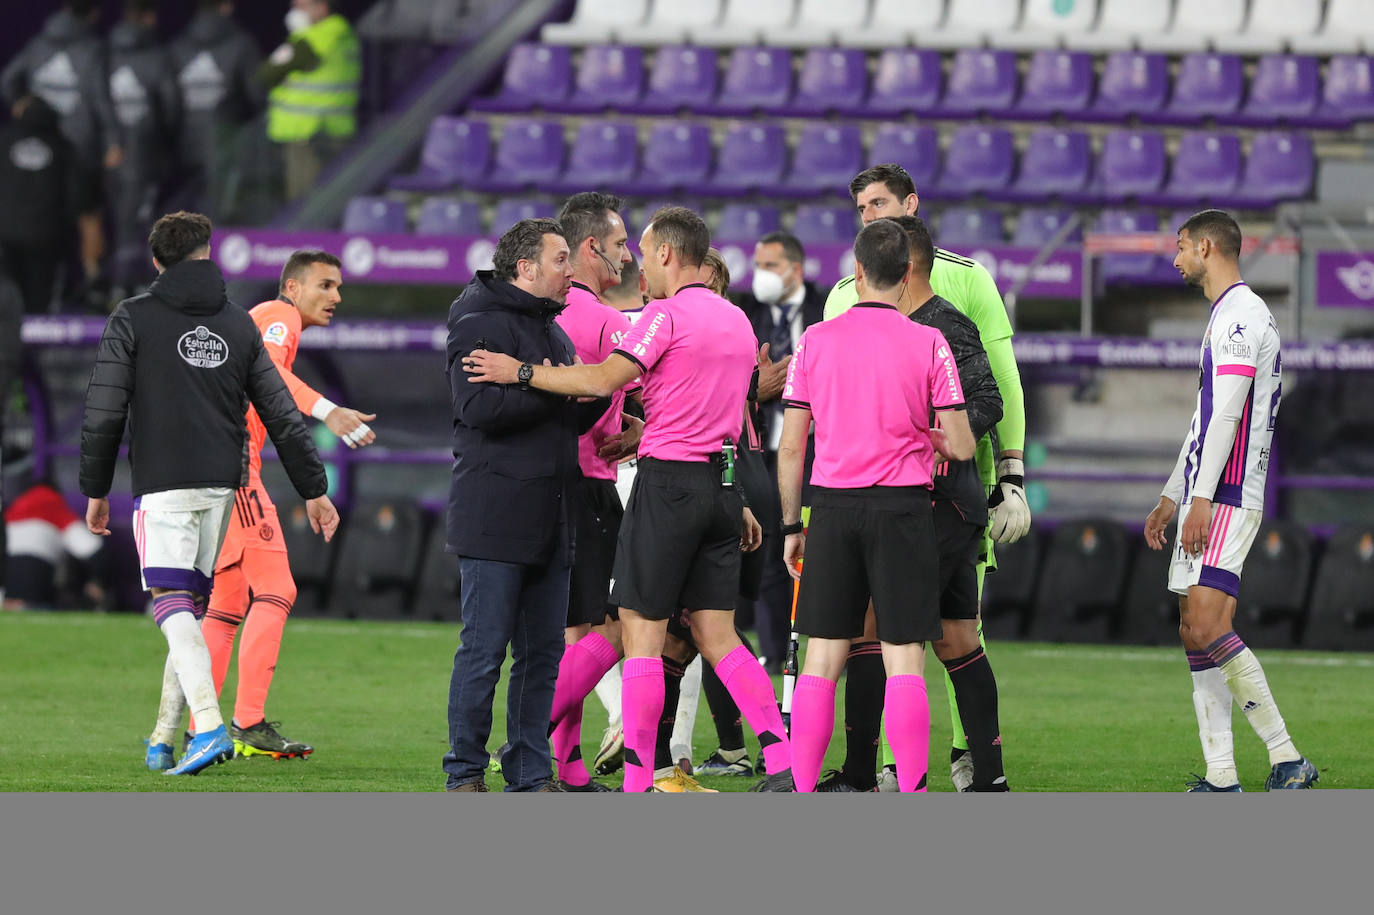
column 524, row 374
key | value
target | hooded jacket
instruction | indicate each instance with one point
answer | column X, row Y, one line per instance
column 216, row 64
column 145, row 97
column 514, row 449
column 37, row 180
column 181, row 363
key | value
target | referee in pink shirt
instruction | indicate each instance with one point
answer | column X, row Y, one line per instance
column 685, row 522
column 872, row 532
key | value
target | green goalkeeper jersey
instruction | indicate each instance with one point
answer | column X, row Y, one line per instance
column 970, row 288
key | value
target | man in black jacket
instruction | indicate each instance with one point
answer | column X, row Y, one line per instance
column 181, row 363
column 515, row 465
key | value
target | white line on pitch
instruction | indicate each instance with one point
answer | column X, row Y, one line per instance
column 1270, row 657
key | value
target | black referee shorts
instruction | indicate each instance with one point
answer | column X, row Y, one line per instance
column 877, row 542
column 679, row 542
column 961, row 543
column 596, row 521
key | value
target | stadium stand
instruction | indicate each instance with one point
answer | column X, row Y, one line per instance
column 1009, row 592
column 456, row 151
column 1149, row 612
column 597, row 20
column 375, row 214
column 312, row 560
column 436, row 590
column 380, row 561
column 446, row 216
column 1345, row 30
column 1272, row 604
column 1342, row 604
column 1081, row 582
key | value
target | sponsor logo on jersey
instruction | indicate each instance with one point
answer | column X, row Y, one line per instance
column 1237, row 333
column 642, row 346
column 275, row 333
column 203, row 348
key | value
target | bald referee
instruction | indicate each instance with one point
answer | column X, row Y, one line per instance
column 870, row 380
column 685, row 523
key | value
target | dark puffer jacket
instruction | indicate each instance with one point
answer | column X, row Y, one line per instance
column 181, row 363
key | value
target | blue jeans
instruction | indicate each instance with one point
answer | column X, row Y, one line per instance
column 525, row 607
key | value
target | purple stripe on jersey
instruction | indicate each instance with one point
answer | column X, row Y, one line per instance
column 178, row 580
column 1224, row 293
column 1199, row 660
column 138, row 502
column 1204, row 416
column 1221, row 580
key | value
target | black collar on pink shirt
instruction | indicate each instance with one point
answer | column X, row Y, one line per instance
column 874, row 305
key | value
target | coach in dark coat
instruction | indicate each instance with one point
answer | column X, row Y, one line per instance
column 514, row 466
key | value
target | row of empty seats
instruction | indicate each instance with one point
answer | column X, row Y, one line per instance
column 1237, row 26
column 1131, row 84
column 1094, row 581
column 754, row 158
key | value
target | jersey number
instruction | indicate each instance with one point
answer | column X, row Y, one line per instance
column 1278, row 392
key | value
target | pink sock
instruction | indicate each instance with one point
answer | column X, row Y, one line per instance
column 813, row 721
column 641, row 705
column 749, row 686
column 567, row 749
column 907, row 709
column 582, row 667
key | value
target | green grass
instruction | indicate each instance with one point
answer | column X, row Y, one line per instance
column 78, row 693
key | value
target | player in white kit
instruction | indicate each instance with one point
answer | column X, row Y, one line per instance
column 1219, row 482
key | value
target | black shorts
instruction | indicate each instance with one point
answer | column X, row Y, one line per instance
column 961, row 543
column 679, row 542
column 596, row 521
column 877, row 542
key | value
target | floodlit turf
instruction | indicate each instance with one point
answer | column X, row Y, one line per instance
column 78, row 693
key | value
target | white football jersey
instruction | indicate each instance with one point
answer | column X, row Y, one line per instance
column 1241, row 339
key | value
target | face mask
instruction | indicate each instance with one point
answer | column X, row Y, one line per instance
column 767, row 287
column 297, row 20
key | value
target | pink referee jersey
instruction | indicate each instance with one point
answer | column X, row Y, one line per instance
column 870, row 378
column 698, row 353
column 595, row 329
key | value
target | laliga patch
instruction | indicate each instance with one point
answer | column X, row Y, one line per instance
column 203, row 348
column 275, row 333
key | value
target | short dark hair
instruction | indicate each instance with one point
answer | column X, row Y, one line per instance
column 683, row 231
column 884, row 253
column 523, row 241
column 177, row 236
column 1217, row 225
column 628, row 287
column 299, row 262
column 919, row 240
column 896, row 178
column 584, row 215
column 791, row 245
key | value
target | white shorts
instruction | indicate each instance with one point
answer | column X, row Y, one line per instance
column 179, row 534
column 1232, row 533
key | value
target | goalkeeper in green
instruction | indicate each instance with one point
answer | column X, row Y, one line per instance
column 878, row 192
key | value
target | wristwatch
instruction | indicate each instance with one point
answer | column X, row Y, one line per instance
column 524, row 374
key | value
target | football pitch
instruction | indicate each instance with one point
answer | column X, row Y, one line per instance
column 79, row 692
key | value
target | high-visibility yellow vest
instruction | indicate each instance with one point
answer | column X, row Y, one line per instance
column 325, row 98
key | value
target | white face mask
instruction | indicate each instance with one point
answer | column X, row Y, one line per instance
column 767, row 287
column 297, row 20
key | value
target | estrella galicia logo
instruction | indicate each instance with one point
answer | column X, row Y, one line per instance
column 1237, row 333
column 203, row 348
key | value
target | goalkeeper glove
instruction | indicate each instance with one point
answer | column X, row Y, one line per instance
column 1010, row 513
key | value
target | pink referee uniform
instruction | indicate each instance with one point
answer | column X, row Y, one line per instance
column 595, row 329
column 872, row 420
column 697, row 352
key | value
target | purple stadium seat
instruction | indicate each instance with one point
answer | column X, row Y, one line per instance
column 445, row 216
column 1117, row 268
column 455, row 152
column 681, row 77
column 1132, row 163
column 1056, row 163
column 1133, row 83
column 1056, row 82
column 826, row 157
column 1280, row 167
column 980, row 80
column 751, row 156
column 981, row 160
column 1206, row 168
column 675, row 154
column 1284, row 88
column 604, row 154
column 747, row 222
column 1348, row 95
column 608, row 76
column 907, row 80
column 755, row 78
column 1207, row 85
column 831, row 79
column 536, row 74
column 969, row 227
column 375, row 215
column 818, row 223
column 530, row 152
column 916, row 149
column 509, row 211
column 1037, row 225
